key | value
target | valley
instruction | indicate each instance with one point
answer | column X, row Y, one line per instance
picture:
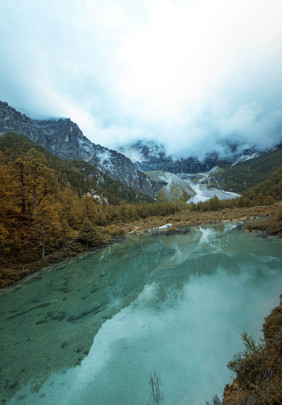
column 92, row 243
column 51, row 181
column 140, row 202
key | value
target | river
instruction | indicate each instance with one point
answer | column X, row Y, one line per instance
column 94, row 329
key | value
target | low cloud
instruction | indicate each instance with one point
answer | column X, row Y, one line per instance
column 191, row 75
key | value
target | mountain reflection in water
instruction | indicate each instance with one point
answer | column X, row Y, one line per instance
column 94, row 329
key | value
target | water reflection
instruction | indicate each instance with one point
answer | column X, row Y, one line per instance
column 169, row 302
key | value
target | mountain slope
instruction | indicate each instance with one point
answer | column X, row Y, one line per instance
column 149, row 156
column 236, row 172
column 270, row 189
column 173, row 186
column 83, row 177
column 64, row 139
column 244, row 175
column 186, row 189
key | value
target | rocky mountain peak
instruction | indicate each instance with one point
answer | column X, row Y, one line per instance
column 151, row 156
column 63, row 138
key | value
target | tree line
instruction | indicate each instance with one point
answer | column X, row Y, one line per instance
column 40, row 214
column 48, row 208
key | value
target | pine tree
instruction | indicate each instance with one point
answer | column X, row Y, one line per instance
column 48, row 225
column 89, row 235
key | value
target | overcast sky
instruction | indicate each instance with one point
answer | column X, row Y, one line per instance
column 189, row 73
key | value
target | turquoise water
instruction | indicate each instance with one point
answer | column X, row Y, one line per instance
column 95, row 328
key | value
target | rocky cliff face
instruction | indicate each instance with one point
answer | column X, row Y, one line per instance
column 63, row 138
column 151, row 156
column 13, row 121
column 182, row 165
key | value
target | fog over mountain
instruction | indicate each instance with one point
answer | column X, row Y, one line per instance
column 190, row 74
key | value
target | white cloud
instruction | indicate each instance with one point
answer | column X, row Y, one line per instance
column 188, row 73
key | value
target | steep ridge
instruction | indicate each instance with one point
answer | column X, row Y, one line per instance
column 63, row 138
column 84, row 178
column 244, row 175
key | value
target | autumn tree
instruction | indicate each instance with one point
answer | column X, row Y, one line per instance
column 72, row 210
column 89, row 209
column 89, row 235
column 48, row 225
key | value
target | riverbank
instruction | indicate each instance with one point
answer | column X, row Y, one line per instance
column 258, row 375
column 186, row 218
column 120, row 312
column 261, row 218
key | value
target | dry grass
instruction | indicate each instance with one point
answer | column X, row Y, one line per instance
column 182, row 219
column 188, row 218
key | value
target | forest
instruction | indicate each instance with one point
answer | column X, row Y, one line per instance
column 51, row 209
column 48, row 210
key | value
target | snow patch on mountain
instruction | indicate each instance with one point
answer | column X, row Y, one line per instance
column 203, row 193
column 244, row 158
column 176, row 187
